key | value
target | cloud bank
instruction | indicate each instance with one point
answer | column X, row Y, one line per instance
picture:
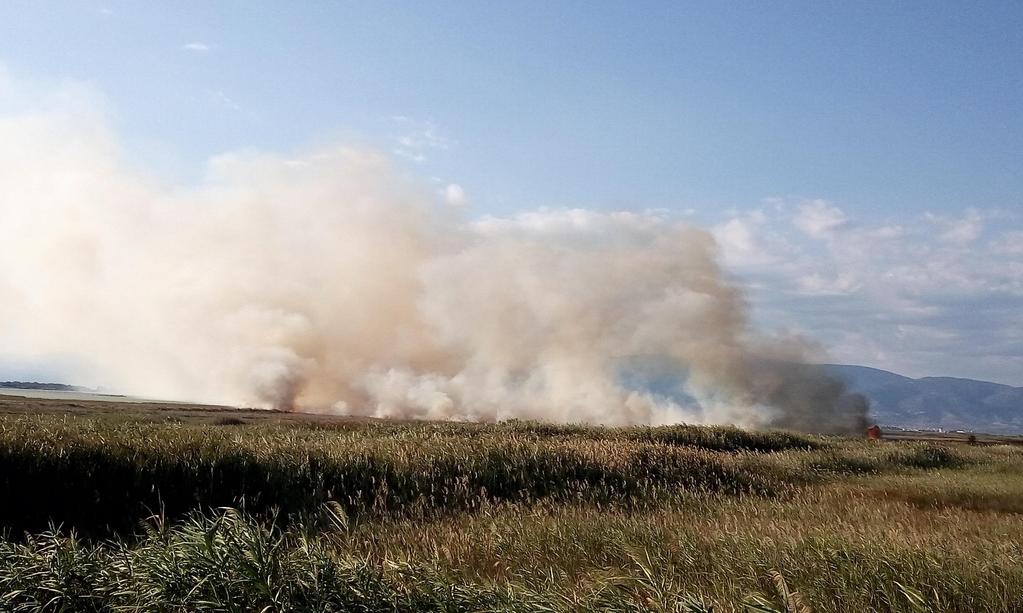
column 928, row 294
column 328, row 282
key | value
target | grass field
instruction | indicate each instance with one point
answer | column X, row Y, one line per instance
column 146, row 508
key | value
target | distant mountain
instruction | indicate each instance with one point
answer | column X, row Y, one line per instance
column 35, row 385
column 936, row 402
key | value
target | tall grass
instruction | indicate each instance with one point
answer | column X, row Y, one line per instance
column 125, row 516
column 100, row 477
column 227, row 563
column 552, row 559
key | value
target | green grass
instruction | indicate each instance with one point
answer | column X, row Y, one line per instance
column 513, row 516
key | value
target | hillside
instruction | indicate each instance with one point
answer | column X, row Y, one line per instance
column 936, row 402
column 35, row 385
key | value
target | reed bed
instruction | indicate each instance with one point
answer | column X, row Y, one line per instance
column 100, row 477
column 124, row 515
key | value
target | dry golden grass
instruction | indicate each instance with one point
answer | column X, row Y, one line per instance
column 383, row 517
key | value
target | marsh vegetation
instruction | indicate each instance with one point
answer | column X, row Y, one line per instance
column 122, row 514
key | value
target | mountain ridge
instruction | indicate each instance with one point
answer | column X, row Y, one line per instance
column 950, row 403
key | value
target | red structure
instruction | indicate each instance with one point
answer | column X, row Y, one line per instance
column 874, row 433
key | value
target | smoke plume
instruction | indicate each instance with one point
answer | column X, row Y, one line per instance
column 328, row 282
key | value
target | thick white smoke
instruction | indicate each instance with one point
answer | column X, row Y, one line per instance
column 327, row 282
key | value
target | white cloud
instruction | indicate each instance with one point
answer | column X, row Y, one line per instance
column 737, row 240
column 416, row 140
column 1010, row 243
column 887, row 232
column 749, row 241
column 195, row 47
column 454, row 195
column 921, row 295
column 961, row 230
column 819, row 219
column 818, row 284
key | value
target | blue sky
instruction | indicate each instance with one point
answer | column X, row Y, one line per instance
column 860, row 163
column 884, row 107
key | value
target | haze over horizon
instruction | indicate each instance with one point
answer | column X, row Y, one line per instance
column 858, row 167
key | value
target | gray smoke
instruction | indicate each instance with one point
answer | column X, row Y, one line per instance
column 328, row 282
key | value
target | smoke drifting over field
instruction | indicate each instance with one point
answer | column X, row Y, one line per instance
column 327, row 282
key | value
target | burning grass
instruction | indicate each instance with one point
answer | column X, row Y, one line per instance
column 513, row 516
